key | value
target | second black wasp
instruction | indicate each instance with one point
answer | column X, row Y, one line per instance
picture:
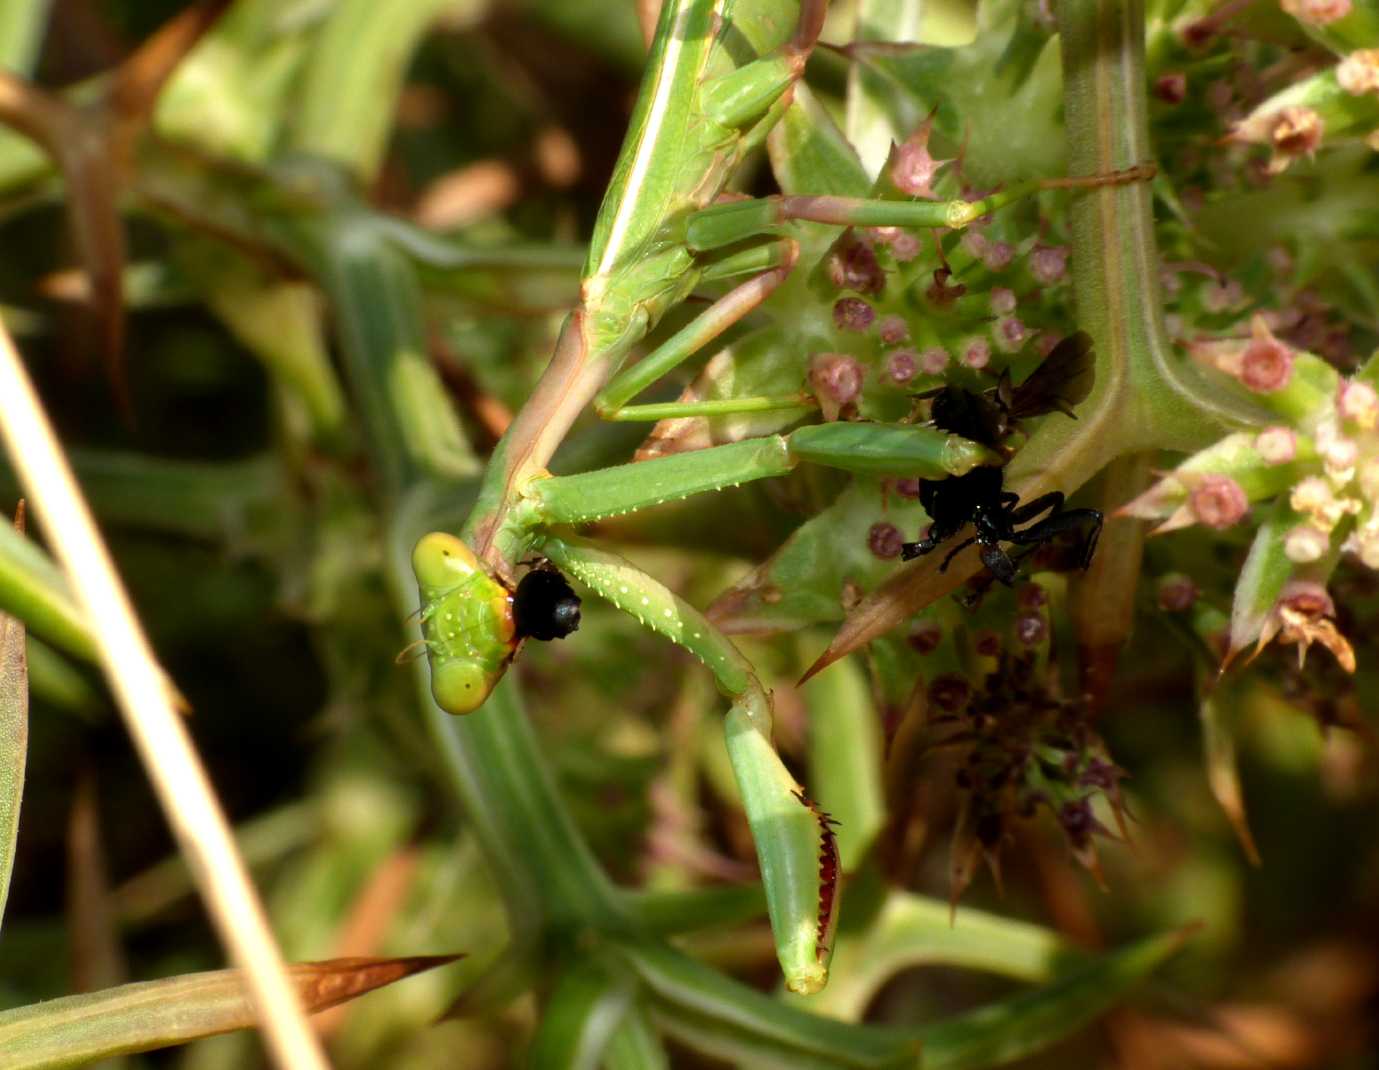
column 1064, row 379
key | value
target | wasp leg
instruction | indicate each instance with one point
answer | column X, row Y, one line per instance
column 937, row 534
column 955, row 551
column 1000, row 564
column 1059, row 522
column 1052, row 502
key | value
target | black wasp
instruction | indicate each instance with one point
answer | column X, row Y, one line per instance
column 1063, row 380
column 544, row 606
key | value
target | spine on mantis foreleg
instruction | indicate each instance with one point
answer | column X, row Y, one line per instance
column 796, row 847
column 629, row 487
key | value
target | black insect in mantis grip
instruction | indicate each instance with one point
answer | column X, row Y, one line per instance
column 1063, row 380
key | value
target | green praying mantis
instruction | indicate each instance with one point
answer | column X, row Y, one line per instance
column 659, row 237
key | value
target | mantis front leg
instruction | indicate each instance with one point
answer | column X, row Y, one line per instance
column 797, row 853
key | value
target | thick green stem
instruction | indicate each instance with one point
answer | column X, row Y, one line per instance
column 1154, row 397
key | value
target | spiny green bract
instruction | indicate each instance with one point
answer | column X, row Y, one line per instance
column 466, row 622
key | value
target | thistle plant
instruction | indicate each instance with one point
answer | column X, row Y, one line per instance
column 713, row 410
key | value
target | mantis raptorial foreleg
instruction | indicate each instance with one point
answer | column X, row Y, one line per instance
column 798, row 879
column 877, row 449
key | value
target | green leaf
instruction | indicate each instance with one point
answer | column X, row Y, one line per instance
column 912, row 930
column 587, row 1008
column 353, row 78
column 75, row 1030
column 808, row 579
column 34, row 589
column 636, row 1045
column 1006, row 114
column 876, row 114
column 1019, row 1026
column 714, row 1013
column 810, row 155
column 845, row 759
column 1266, row 570
column 14, row 742
column 1217, row 714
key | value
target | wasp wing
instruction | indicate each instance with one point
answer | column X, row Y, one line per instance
column 1063, row 380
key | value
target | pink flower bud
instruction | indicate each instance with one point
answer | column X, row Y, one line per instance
column 1171, row 88
column 1002, row 301
column 852, row 314
column 905, row 247
column 1305, row 544
column 1218, row 501
column 933, row 360
column 893, row 329
column 884, row 540
column 1266, row 364
column 1307, row 596
column 1177, row 593
column 1031, row 629
column 913, row 170
column 1277, row 445
column 901, row 365
column 1311, row 495
column 1369, row 479
column 925, row 636
column 852, row 265
column 974, row 242
column 998, row 255
column 837, row 381
column 1296, row 132
column 977, row 353
column 1317, row 12
column 1364, row 544
column 1359, row 403
column 1009, row 334
column 1340, row 455
column 1049, row 263
column 1359, row 72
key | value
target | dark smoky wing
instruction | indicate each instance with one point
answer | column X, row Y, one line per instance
column 1063, row 380
column 973, row 416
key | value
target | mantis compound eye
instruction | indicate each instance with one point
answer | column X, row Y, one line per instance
column 466, row 622
column 442, row 561
column 460, row 685
column 545, row 606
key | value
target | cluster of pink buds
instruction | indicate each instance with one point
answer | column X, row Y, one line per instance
column 1311, row 480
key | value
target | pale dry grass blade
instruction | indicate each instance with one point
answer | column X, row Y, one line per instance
column 146, row 702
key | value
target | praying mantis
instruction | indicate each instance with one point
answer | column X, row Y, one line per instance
column 659, row 237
